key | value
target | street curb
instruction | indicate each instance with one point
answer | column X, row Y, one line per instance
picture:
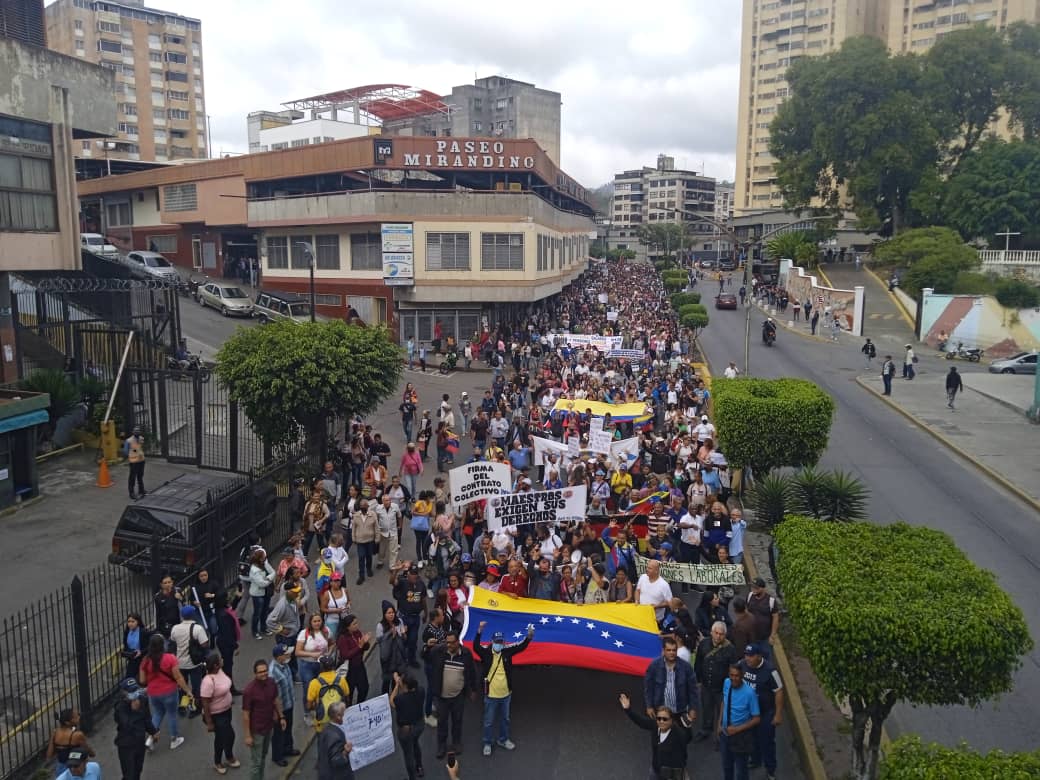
column 899, row 303
column 1002, row 402
column 811, row 761
column 989, row 472
column 821, row 272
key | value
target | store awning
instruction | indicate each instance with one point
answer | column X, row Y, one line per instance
column 20, row 421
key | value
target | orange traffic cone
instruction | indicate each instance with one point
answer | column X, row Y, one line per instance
column 104, row 479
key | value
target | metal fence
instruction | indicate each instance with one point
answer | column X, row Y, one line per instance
column 188, row 417
column 64, row 650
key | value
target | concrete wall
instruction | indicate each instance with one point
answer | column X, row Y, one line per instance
column 309, row 130
column 398, row 205
column 979, row 321
column 847, row 305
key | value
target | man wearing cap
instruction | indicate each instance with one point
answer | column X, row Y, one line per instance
column 491, row 575
column 765, row 611
column 78, row 766
column 133, row 447
column 133, row 726
column 282, row 746
column 542, row 581
column 410, row 592
column 496, row 661
column 704, row 431
column 765, row 681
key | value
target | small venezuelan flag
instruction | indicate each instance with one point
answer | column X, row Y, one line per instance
column 452, row 444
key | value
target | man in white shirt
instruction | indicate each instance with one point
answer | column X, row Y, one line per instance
column 653, row 590
column 731, row 371
column 691, row 526
column 705, row 430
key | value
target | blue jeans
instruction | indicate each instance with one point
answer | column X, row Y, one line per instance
column 259, row 619
column 765, row 742
column 308, row 671
column 411, row 484
column 734, row 765
column 163, row 706
column 501, row 708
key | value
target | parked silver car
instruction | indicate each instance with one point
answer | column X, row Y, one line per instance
column 1022, row 363
column 228, row 299
column 151, row 265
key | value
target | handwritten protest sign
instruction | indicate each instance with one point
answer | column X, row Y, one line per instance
column 474, row 481
column 546, row 506
column 369, row 728
column 697, row 573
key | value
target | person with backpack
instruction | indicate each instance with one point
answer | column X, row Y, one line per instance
column 869, row 351
column 192, row 645
column 329, row 687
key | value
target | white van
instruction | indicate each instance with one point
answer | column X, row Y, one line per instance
column 95, row 243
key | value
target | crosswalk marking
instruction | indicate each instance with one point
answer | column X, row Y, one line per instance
column 882, row 316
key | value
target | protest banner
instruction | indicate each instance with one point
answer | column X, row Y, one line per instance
column 369, row 728
column 546, row 506
column 612, row 316
column 602, row 343
column 630, row 412
column 573, row 447
column 627, row 354
column 602, row 297
column 474, row 481
column 696, row 573
column 595, row 425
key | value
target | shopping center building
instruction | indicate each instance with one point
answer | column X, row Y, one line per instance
column 404, row 230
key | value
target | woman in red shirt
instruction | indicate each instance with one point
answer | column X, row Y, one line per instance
column 161, row 676
column 352, row 644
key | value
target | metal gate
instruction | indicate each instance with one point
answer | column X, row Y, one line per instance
column 187, row 417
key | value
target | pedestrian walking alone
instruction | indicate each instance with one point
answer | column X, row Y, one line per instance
column 812, row 323
column 888, row 370
column 909, row 358
column 869, row 351
column 953, row 386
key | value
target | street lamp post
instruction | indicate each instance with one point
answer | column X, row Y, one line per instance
column 745, row 248
column 308, row 254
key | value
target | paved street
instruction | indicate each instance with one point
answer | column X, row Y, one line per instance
column 914, row 478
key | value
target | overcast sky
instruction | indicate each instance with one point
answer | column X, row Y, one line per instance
column 637, row 78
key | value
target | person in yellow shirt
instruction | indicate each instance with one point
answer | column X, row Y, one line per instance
column 621, row 481
column 133, row 448
column 327, row 688
column 496, row 665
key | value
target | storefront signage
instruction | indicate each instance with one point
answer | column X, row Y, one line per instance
column 398, row 257
column 9, row 143
column 469, row 154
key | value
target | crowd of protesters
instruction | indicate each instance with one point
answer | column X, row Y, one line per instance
column 663, row 500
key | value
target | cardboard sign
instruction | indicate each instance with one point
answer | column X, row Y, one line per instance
column 546, row 506
column 474, row 481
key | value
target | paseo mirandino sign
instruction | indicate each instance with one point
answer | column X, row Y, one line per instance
column 468, row 154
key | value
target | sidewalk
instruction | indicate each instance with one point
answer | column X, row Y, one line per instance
column 987, row 427
column 883, row 320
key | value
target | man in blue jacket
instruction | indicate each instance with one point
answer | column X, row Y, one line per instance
column 670, row 683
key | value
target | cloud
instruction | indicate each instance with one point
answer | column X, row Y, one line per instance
column 635, row 81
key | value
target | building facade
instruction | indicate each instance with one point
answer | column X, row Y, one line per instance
column 404, row 231
column 156, row 57
column 775, row 33
column 663, row 194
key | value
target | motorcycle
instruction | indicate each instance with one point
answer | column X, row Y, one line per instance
column 449, row 363
column 193, row 284
column 768, row 336
column 972, row 354
column 191, row 364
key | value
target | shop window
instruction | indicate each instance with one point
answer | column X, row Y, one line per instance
column 164, row 245
column 277, row 252
column 366, row 252
column 327, row 250
column 26, row 193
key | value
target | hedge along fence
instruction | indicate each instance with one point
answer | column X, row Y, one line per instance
column 681, row 299
column 691, row 308
column 764, row 424
column 895, row 613
column 908, row 759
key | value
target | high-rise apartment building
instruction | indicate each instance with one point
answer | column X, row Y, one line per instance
column 659, row 195
column 775, row 33
column 157, row 58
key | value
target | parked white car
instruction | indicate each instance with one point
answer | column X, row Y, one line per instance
column 96, row 244
column 151, row 265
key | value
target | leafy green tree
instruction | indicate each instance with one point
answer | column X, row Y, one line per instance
column 1022, row 91
column 683, row 298
column 909, row 759
column 963, row 85
column 995, row 188
column 695, row 321
column 864, row 649
column 768, row 423
column 854, row 121
column 795, row 245
column 1017, row 294
column 54, row 382
column 292, row 377
column 933, row 256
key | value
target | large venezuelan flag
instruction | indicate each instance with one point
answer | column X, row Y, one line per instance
column 621, row 638
column 634, row 412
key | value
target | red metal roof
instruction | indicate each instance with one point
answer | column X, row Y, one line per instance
column 383, row 101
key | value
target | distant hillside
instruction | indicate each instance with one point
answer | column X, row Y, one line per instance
column 600, row 198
